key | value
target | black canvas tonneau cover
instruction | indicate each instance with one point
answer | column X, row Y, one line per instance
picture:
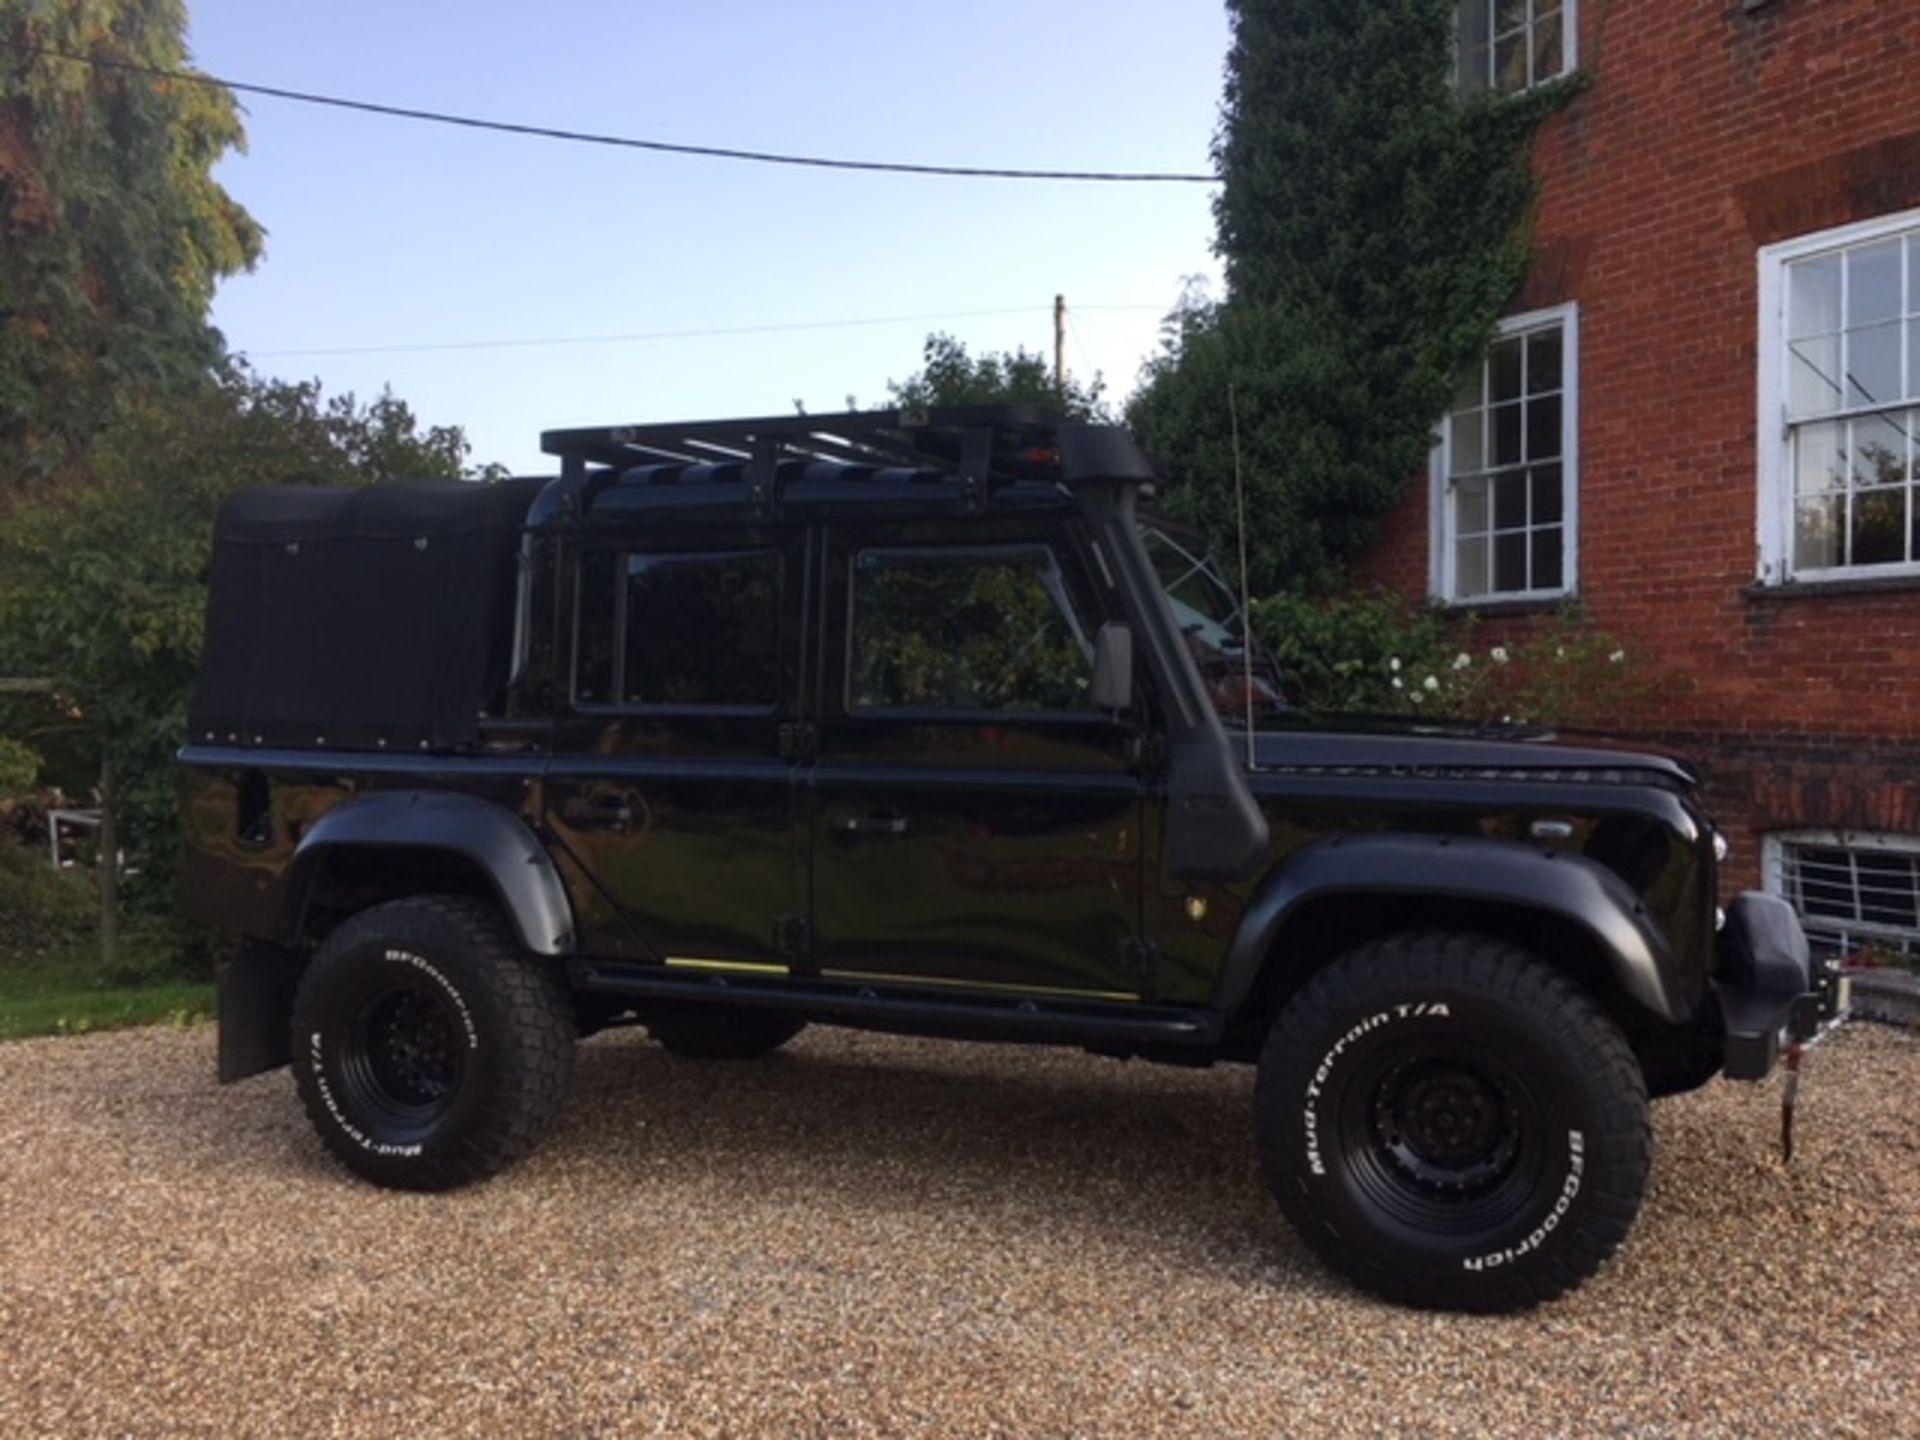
column 377, row 618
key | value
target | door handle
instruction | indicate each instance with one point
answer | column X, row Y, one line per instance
column 597, row 817
column 883, row 824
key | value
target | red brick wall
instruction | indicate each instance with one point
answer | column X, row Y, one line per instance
column 1708, row 133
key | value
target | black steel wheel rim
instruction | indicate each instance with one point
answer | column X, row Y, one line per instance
column 403, row 1061
column 1444, row 1137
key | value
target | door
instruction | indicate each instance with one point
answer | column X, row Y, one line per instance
column 975, row 822
column 680, row 816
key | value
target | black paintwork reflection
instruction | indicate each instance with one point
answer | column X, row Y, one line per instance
column 683, row 825
column 1000, row 876
column 991, row 848
column 1626, row 810
column 697, row 860
column 235, row 881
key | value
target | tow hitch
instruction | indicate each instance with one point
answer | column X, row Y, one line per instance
column 1833, row 991
column 1775, row 1000
column 1795, row 1053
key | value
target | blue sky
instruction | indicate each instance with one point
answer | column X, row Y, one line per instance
column 386, row 233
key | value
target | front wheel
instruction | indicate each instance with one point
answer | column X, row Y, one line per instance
column 429, row 1049
column 1452, row 1123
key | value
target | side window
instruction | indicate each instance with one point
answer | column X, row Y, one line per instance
column 1506, row 470
column 679, row 630
column 1840, row 403
column 977, row 629
column 1511, row 46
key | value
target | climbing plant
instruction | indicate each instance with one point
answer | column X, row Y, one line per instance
column 1372, row 226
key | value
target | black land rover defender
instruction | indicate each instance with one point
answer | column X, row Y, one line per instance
column 913, row 722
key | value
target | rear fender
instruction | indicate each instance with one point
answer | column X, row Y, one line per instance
column 488, row 836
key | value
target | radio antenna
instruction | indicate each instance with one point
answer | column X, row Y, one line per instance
column 1246, row 598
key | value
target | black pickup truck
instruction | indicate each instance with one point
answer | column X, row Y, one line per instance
column 918, row 722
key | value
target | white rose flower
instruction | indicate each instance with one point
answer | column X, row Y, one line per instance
column 1499, row 654
column 1462, row 660
column 1396, row 683
column 1618, row 657
column 1394, row 664
column 1432, row 683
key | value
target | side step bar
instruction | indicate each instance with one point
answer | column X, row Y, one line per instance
column 1039, row 1020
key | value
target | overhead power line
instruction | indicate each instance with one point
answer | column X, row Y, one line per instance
column 626, row 142
column 772, row 329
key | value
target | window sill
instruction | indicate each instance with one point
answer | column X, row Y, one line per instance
column 1814, row 589
column 1495, row 607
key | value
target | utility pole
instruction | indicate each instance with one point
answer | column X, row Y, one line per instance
column 1060, row 344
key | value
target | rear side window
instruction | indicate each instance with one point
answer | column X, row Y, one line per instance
column 978, row 629
column 679, row 630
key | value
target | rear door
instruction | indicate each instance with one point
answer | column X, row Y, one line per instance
column 680, row 816
column 975, row 822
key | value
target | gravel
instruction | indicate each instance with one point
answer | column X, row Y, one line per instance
column 871, row 1236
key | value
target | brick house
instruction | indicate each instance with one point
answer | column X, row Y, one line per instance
column 1702, row 418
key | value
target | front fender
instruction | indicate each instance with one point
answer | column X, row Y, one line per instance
column 494, row 839
column 1499, row 872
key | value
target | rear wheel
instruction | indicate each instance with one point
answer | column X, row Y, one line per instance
column 430, row 1051
column 1453, row 1123
column 721, row 1032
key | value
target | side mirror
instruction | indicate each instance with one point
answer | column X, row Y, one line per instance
column 1113, row 667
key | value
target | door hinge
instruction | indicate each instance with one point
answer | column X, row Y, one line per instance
column 792, row 935
column 1150, row 752
column 797, row 740
column 1139, row 958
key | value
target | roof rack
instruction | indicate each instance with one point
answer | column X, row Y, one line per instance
column 983, row 445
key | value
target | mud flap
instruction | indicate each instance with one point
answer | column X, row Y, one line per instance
column 255, row 995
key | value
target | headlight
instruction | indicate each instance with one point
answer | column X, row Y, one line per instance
column 1720, row 846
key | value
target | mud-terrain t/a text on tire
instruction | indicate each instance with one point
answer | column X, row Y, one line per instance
column 1450, row 1121
column 429, row 1049
column 926, row 722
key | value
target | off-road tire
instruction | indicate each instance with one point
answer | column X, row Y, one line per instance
column 1452, row 1123
column 721, row 1032
column 429, row 1048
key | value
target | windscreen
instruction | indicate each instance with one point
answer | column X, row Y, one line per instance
column 1208, row 614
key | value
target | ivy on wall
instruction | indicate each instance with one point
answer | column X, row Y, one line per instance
column 1373, row 228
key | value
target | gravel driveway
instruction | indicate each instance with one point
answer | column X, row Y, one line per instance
column 875, row 1236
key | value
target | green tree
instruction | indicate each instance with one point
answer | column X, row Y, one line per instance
column 103, row 582
column 1371, row 223
column 114, row 231
column 949, row 375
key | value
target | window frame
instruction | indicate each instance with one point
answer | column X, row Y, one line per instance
column 1774, row 428
column 1442, row 580
column 1569, row 48
column 952, row 552
column 614, row 705
column 1773, row 869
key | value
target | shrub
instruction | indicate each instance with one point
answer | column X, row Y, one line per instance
column 46, row 910
column 1374, row 654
